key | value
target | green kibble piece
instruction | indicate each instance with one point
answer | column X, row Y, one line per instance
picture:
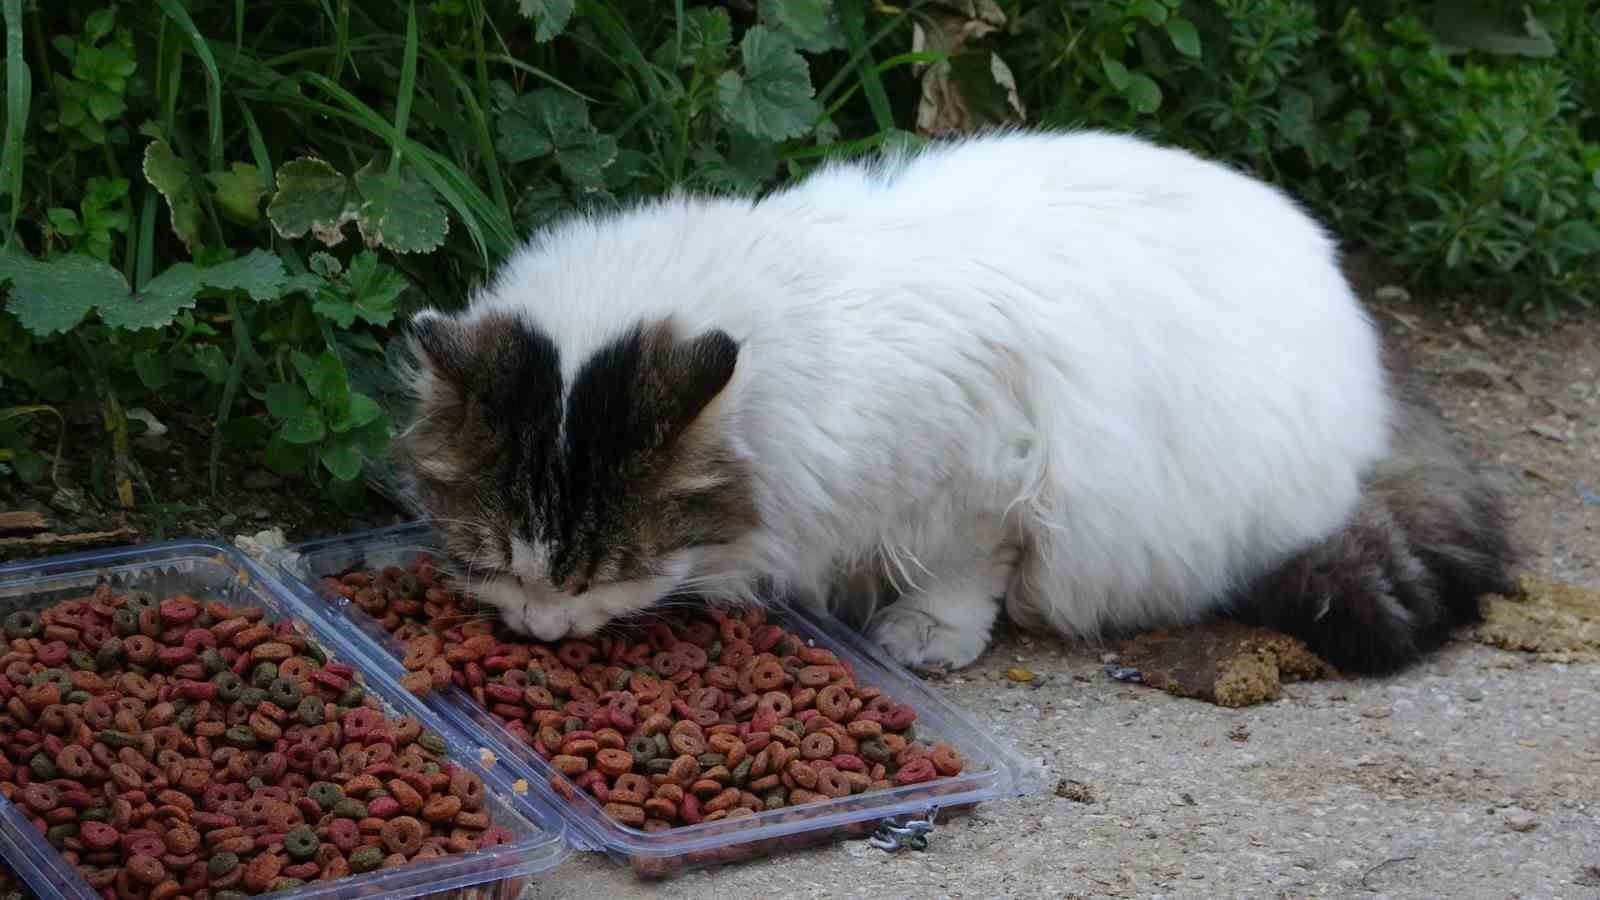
column 620, row 683
column 432, row 743
column 431, row 768
column 116, row 740
column 658, row 766
column 643, row 749
column 59, row 833
column 663, row 746
column 110, row 654
column 79, row 697
column 315, row 653
column 284, row 692
column 52, row 676
column 775, row 798
column 366, row 859
column 212, row 659
column 240, row 736
column 255, row 782
column 711, row 760
column 95, row 814
column 874, row 750
column 350, row 808
column 741, row 772
column 287, row 884
column 301, row 843
column 186, row 718
column 784, row 647
column 252, row 696
column 537, row 677
column 82, row 659
column 221, row 864
column 409, row 586
column 352, row 696
column 125, row 622
column 326, row 794
column 264, row 674
column 229, row 686
column 714, row 652
column 139, row 601
column 909, row 732
column 309, row 712
column 230, row 895
column 571, row 724
column 205, row 620
column 24, row 623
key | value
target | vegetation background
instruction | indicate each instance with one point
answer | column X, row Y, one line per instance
column 215, row 213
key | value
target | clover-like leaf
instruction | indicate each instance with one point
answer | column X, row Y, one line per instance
column 170, row 175
column 286, row 400
column 333, row 391
column 313, row 197
column 260, row 274
column 552, row 16
column 363, row 409
column 238, row 192
column 536, row 123
column 399, row 211
column 373, row 288
column 772, row 98
column 306, row 428
column 54, row 296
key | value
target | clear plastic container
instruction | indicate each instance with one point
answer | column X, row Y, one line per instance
column 221, row 573
column 993, row 769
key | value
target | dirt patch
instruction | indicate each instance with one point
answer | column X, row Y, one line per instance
column 1559, row 622
column 1225, row 663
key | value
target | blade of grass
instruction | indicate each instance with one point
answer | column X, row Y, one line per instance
column 408, row 87
column 480, row 123
column 860, row 53
column 903, row 59
column 853, row 16
column 18, row 92
column 202, row 49
column 238, row 25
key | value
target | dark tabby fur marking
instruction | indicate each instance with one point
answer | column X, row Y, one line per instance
column 609, row 478
column 1427, row 542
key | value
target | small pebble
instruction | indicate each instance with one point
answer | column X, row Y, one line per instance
column 1474, row 695
column 1520, row 820
column 1019, row 674
column 1376, row 712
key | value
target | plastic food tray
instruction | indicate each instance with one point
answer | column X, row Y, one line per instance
column 215, row 572
column 993, row 770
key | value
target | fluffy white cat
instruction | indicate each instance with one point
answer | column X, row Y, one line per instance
column 1104, row 384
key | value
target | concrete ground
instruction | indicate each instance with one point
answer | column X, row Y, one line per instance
column 1475, row 774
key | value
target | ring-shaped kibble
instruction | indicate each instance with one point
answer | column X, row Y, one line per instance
column 874, row 750
column 140, row 650
column 228, row 686
column 691, row 655
column 668, row 663
column 264, row 674
column 139, row 601
column 946, row 760
column 325, row 764
column 344, row 833
column 468, row 788
column 366, row 859
column 576, row 654
column 404, row 835
column 75, row 761
column 296, row 669
column 124, row 622
column 211, row 658
column 301, row 842
column 731, row 630
column 833, row 701
column 284, row 693
column 642, row 748
column 220, row 864
column 309, row 711
column 767, row 675
column 687, row 738
column 775, row 703
column 831, row 781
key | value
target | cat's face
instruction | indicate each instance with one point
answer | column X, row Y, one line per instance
column 566, row 505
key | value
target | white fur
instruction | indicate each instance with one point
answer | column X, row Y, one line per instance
column 1106, row 379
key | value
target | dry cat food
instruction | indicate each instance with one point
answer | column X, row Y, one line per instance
column 175, row 748
column 698, row 716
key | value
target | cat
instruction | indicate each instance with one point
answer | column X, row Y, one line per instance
column 1101, row 383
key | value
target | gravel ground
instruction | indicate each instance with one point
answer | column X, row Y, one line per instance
column 1475, row 774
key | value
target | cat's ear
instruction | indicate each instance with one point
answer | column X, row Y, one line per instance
column 697, row 370
column 440, row 345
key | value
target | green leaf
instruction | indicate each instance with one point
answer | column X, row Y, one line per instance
column 99, row 24
column 170, row 175
column 809, row 22
column 283, row 457
column 325, row 264
column 552, row 15
column 363, row 409
column 238, row 192
column 154, row 371
column 374, row 288
column 334, row 307
column 260, row 274
column 707, row 37
column 312, row 197
column 1116, row 72
column 1504, row 29
column 399, row 211
column 374, row 437
column 64, row 221
column 1185, row 39
column 585, row 166
column 306, row 428
column 105, row 106
column 309, row 373
column 1143, row 93
column 342, row 457
column 334, row 392
column 286, row 400
column 209, row 361
column 773, row 97
column 536, row 123
column 47, row 297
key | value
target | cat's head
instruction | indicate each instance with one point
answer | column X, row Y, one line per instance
column 566, row 500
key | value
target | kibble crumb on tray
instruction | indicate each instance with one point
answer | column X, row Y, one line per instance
column 1558, row 621
column 1225, row 663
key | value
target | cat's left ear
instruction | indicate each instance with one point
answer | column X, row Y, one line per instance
column 696, row 371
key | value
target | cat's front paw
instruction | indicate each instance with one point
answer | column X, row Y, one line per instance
column 917, row 639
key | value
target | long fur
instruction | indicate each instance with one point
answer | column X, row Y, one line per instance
column 1115, row 384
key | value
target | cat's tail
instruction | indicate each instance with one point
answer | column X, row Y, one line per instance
column 1428, row 540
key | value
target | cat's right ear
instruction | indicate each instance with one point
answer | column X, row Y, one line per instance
column 440, row 345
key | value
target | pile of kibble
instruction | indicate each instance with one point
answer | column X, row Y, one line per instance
column 698, row 716
column 174, row 748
